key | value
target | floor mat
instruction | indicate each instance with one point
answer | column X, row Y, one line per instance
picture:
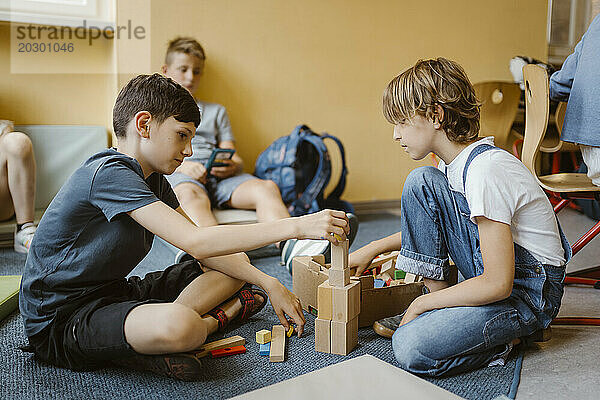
column 22, row 377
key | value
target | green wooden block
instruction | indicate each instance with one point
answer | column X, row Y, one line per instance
column 398, row 274
column 9, row 294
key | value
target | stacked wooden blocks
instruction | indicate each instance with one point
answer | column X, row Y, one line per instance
column 338, row 298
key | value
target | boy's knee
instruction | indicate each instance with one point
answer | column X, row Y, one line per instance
column 187, row 193
column 408, row 346
column 182, row 329
column 423, row 177
column 268, row 188
column 18, row 144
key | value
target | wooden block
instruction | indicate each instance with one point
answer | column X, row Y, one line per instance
column 339, row 255
column 344, row 336
column 346, row 302
column 265, row 349
column 366, row 281
column 339, row 277
column 383, row 258
column 290, row 331
column 323, row 335
column 410, row 278
column 219, row 344
column 314, row 266
column 263, row 336
column 388, row 266
column 319, row 258
column 228, row 351
column 325, row 301
column 277, row 353
column 399, row 274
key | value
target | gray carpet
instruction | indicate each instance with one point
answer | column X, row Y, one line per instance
column 24, row 378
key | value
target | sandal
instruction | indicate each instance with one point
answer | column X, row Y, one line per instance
column 246, row 296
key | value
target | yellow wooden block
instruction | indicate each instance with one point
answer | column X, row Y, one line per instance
column 290, row 331
column 263, row 336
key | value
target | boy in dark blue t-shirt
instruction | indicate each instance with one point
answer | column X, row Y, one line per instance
column 79, row 310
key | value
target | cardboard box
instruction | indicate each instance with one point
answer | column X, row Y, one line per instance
column 305, row 281
column 385, row 302
column 375, row 303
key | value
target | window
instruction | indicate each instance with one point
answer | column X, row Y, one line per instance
column 567, row 22
column 59, row 12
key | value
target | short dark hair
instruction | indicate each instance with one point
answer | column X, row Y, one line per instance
column 427, row 84
column 162, row 97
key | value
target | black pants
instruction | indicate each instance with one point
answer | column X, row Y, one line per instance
column 88, row 335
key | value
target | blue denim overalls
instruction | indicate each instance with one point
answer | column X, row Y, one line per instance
column 436, row 225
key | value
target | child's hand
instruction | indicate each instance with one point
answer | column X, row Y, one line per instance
column 286, row 303
column 225, row 171
column 194, row 170
column 323, row 225
column 412, row 312
column 361, row 259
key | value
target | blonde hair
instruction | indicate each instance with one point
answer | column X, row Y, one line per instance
column 186, row 45
column 429, row 83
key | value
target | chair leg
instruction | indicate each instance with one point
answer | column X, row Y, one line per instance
column 586, row 238
column 560, row 205
column 582, row 281
column 586, row 321
column 556, row 162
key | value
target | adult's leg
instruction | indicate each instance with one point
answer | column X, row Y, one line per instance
column 17, row 177
column 453, row 340
column 591, row 157
column 196, row 203
column 260, row 195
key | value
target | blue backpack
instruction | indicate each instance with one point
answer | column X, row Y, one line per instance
column 299, row 164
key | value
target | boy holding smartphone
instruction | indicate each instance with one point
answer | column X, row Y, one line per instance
column 199, row 190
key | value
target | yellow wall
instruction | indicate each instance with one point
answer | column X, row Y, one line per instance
column 56, row 98
column 275, row 64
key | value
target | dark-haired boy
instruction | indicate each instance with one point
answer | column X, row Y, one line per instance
column 482, row 208
column 79, row 310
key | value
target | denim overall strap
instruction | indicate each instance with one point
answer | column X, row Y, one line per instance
column 474, row 153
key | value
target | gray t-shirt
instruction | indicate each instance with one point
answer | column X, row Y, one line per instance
column 86, row 244
column 213, row 129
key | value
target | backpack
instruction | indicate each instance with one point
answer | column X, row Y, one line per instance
column 299, row 164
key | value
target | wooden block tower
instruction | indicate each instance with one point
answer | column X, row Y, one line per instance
column 338, row 299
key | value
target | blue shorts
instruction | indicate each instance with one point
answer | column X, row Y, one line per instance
column 219, row 191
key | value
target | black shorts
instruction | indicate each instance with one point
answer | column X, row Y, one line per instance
column 93, row 334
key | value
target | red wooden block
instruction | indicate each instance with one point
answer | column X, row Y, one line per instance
column 228, row 351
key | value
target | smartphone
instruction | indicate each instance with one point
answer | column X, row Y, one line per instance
column 216, row 155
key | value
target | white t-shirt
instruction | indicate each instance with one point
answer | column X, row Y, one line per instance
column 499, row 187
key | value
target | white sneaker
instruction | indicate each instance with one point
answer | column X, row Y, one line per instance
column 302, row 247
column 24, row 237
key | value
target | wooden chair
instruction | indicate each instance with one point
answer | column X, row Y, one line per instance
column 499, row 105
column 565, row 185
